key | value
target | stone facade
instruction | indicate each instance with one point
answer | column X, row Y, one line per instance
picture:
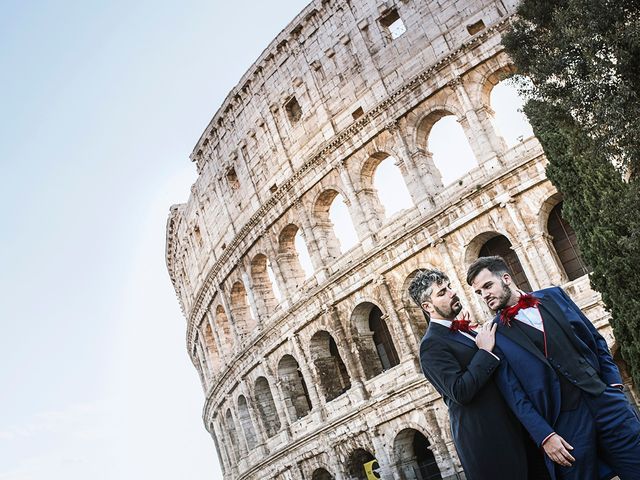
column 311, row 375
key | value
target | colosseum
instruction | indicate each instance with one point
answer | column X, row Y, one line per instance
column 307, row 344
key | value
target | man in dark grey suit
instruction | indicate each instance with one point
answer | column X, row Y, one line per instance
column 459, row 363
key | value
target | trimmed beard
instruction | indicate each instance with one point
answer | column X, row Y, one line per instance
column 451, row 313
column 504, row 296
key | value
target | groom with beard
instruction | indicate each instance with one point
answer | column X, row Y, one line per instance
column 559, row 378
column 459, row 363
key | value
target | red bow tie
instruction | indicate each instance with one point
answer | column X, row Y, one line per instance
column 526, row 301
column 460, row 326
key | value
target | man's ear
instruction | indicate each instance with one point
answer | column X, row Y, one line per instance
column 426, row 306
column 506, row 278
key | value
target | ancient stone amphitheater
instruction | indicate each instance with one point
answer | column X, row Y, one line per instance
column 310, row 368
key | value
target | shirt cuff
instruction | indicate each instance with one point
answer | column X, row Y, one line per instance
column 498, row 358
column 547, row 438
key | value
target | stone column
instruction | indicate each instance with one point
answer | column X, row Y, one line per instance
column 243, row 446
column 481, row 143
column 285, row 420
column 337, row 469
column 212, row 322
column 548, row 256
column 259, row 428
column 281, row 278
column 317, row 399
column 535, row 271
column 313, row 245
column 227, row 461
column 417, row 182
column 259, row 314
column 385, row 462
column 356, row 209
column 237, row 337
column 401, row 331
column 354, row 368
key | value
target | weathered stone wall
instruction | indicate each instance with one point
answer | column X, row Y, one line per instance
column 303, row 386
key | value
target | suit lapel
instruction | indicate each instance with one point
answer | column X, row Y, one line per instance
column 550, row 312
column 516, row 335
column 441, row 331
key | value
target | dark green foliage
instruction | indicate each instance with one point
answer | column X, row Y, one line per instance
column 583, row 58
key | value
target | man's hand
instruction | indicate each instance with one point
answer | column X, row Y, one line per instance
column 558, row 450
column 486, row 337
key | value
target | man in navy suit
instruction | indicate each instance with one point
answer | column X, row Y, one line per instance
column 559, row 378
column 491, row 443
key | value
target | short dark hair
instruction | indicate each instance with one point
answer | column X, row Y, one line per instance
column 495, row 264
column 422, row 285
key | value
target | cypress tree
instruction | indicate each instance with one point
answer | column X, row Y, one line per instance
column 582, row 62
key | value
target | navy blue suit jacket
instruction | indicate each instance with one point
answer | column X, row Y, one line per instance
column 527, row 381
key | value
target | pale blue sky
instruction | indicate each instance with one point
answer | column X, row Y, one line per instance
column 102, row 102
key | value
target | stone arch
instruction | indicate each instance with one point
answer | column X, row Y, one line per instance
column 266, row 407
column 288, row 256
column 213, row 356
column 413, row 456
column 334, row 231
column 384, row 198
column 294, row 387
column 246, row 424
column 223, row 326
column 441, row 137
column 373, row 339
column 321, row 474
column 492, row 77
column 262, row 282
column 416, row 318
column 494, row 243
column 356, row 463
column 562, row 237
column 240, row 309
column 332, row 372
column 232, row 434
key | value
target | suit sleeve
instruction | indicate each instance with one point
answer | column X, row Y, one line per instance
column 519, row 402
column 442, row 369
column 608, row 369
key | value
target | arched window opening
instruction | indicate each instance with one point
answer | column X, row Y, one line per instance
column 452, row 154
column 294, row 387
column 391, row 187
column 414, row 457
column 266, row 407
column 374, row 342
column 413, row 314
column 245, row 423
column 224, row 329
column 382, row 340
column 566, row 244
column 321, row 474
column 233, row 434
column 334, row 378
column 213, row 356
column 262, row 284
column 343, row 224
column 303, row 254
column 333, row 227
column 274, row 283
column 242, row 314
column 500, row 245
column 508, row 117
column 288, row 257
column 359, row 463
